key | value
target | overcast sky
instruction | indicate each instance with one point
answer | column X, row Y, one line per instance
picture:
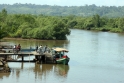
column 68, row 2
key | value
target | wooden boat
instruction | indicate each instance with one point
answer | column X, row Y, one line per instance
column 60, row 57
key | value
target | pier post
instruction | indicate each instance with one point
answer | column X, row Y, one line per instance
column 22, row 65
column 22, row 58
column 36, row 57
column 5, row 57
column 45, row 58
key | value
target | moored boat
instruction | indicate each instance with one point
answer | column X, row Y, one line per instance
column 60, row 57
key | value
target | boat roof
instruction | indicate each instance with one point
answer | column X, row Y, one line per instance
column 60, row 49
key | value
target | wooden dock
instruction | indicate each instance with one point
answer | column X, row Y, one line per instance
column 22, row 54
column 6, row 55
column 38, row 57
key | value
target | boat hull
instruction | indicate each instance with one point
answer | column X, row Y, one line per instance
column 63, row 61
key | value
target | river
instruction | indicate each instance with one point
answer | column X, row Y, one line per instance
column 95, row 57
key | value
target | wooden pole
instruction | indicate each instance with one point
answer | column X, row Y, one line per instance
column 5, row 57
column 22, row 58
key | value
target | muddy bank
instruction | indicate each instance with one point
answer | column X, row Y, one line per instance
column 25, row 39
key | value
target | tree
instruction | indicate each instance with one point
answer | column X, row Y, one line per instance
column 88, row 24
column 96, row 20
column 3, row 15
column 72, row 24
column 60, row 31
column 121, row 23
column 3, row 33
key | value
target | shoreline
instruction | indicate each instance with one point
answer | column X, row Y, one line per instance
column 29, row 39
column 21, row 39
column 25, row 39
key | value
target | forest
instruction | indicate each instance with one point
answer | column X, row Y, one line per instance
column 53, row 27
column 31, row 26
column 55, row 10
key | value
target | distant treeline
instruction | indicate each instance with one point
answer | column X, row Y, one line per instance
column 53, row 27
column 87, row 10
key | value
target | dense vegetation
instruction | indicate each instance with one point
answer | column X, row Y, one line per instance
column 53, row 27
column 87, row 10
column 32, row 26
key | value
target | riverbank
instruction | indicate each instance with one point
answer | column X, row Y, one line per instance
column 104, row 29
column 22, row 39
column 30, row 39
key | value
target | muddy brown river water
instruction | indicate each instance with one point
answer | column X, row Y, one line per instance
column 95, row 57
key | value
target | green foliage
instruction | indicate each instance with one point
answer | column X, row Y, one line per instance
column 88, row 23
column 60, row 30
column 117, row 30
column 3, row 33
column 121, row 23
column 53, row 27
column 96, row 20
column 38, row 27
column 72, row 23
column 87, row 10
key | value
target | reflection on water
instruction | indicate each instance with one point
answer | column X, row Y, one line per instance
column 4, row 75
column 32, row 43
column 35, row 71
column 61, row 70
column 45, row 69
